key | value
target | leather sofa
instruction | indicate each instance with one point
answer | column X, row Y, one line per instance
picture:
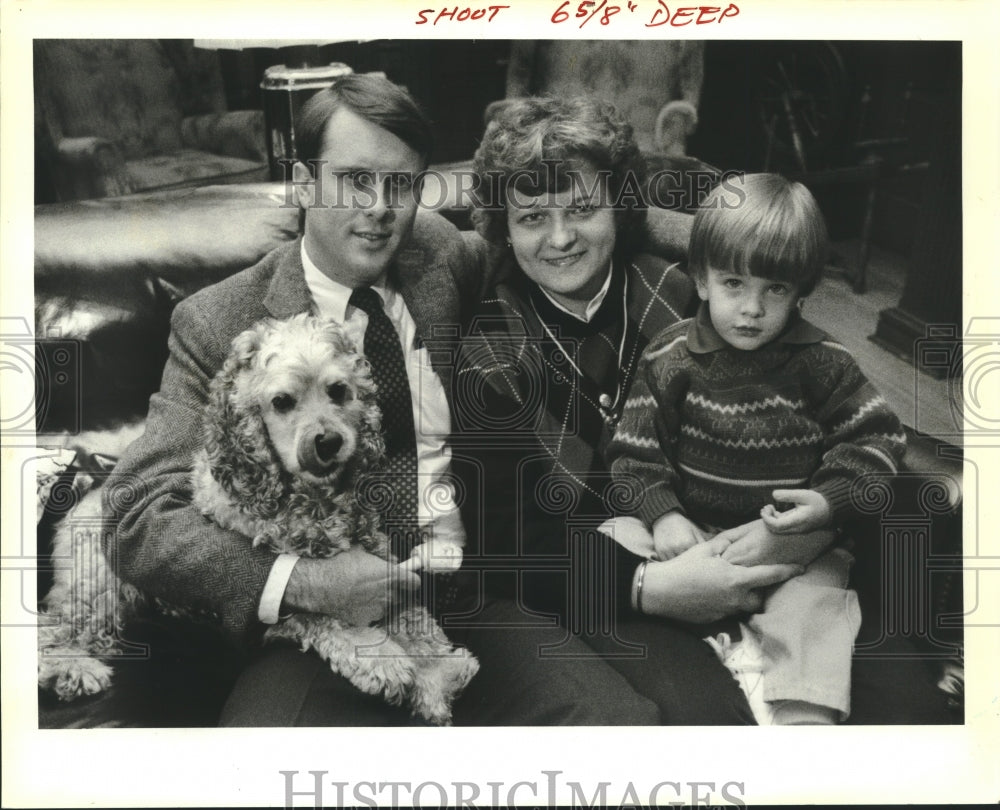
column 108, row 273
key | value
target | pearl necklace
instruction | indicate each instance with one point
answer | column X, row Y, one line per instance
column 605, row 404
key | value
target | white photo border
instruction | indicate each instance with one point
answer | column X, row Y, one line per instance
column 226, row 767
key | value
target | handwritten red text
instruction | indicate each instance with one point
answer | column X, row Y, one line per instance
column 587, row 10
column 458, row 14
column 699, row 15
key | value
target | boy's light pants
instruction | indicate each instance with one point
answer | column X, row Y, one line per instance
column 806, row 628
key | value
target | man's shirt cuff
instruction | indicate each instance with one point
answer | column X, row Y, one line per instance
column 274, row 588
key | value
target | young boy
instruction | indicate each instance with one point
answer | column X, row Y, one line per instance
column 748, row 408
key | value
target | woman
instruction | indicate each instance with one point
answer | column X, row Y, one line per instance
column 542, row 383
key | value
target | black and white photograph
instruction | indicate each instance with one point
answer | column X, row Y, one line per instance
column 400, row 411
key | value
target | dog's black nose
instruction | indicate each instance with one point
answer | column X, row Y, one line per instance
column 327, row 446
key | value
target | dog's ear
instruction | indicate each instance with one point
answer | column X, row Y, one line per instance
column 342, row 346
column 370, row 440
column 246, row 344
column 371, row 443
column 245, row 465
column 239, row 454
column 219, row 414
column 242, row 353
column 334, row 334
column 364, row 383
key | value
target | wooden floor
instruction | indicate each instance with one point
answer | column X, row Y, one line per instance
column 928, row 405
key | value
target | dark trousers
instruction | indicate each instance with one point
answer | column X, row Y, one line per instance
column 517, row 684
column 535, row 676
column 285, row 687
column 898, row 686
column 678, row 671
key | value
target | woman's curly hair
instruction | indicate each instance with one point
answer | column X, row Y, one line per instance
column 529, row 136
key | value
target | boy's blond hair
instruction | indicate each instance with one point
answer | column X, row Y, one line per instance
column 761, row 224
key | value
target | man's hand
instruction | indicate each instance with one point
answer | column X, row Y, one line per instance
column 700, row 586
column 755, row 544
column 674, row 534
column 810, row 511
column 353, row 586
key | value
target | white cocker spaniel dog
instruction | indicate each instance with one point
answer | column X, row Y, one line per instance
column 291, row 428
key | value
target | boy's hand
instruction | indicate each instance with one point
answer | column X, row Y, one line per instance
column 810, row 511
column 755, row 544
column 434, row 557
column 673, row 533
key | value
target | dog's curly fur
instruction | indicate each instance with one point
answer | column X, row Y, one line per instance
column 84, row 612
column 286, row 477
column 250, row 479
column 240, row 480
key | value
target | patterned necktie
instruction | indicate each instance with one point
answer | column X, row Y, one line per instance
column 396, row 499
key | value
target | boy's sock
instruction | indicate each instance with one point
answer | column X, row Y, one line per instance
column 745, row 661
column 800, row 713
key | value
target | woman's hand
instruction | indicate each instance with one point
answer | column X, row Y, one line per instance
column 674, row 534
column 755, row 544
column 699, row 586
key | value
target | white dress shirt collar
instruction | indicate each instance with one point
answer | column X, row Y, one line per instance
column 592, row 306
column 331, row 298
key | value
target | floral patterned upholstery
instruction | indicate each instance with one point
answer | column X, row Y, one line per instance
column 639, row 78
column 114, row 116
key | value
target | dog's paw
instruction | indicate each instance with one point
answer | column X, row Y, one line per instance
column 436, row 557
column 82, row 676
column 440, row 679
column 429, row 701
column 435, row 713
column 456, row 670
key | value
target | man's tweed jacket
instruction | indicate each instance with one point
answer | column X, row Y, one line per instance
column 156, row 538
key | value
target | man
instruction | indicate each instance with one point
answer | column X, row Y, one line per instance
column 361, row 143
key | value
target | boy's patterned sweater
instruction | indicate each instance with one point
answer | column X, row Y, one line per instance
column 712, row 430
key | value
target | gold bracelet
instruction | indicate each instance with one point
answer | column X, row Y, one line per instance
column 638, row 585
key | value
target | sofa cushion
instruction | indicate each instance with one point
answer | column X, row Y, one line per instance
column 109, row 272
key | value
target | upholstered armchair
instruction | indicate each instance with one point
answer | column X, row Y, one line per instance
column 114, row 117
column 655, row 84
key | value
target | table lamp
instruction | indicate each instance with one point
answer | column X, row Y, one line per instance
column 285, row 89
